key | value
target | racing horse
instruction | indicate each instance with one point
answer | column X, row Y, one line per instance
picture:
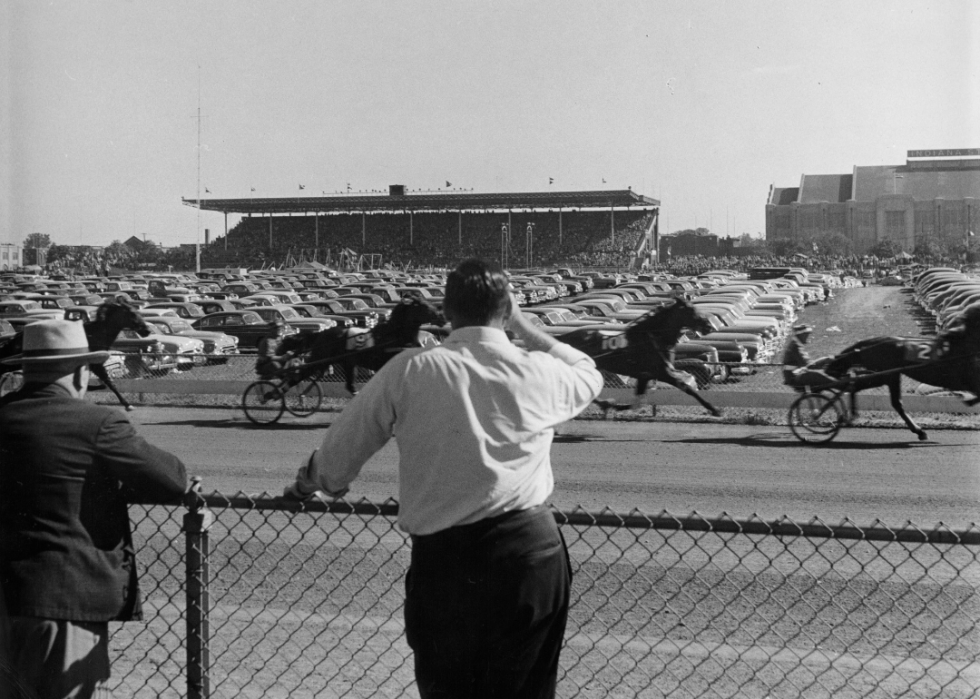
column 350, row 348
column 950, row 360
column 642, row 350
column 111, row 318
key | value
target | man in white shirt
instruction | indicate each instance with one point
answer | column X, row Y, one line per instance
column 487, row 591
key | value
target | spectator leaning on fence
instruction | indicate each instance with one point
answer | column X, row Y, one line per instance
column 487, row 590
column 67, row 470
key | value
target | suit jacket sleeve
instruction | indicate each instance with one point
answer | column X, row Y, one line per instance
column 147, row 473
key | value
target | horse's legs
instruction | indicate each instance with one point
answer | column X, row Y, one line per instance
column 895, row 392
column 691, row 392
column 641, row 389
column 100, row 371
column 349, row 370
column 853, row 412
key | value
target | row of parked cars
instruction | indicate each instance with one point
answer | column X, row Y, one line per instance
column 200, row 319
column 945, row 292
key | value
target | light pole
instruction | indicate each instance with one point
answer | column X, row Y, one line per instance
column 503, row 246
column 529, row 245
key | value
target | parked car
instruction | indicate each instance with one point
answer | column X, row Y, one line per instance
column 248, row 326
column 308, row 311
column 355, row 309
column 152, row 354
column 13, row 308
column 215, row 342
column 7, row 330
column 210, row 306
column 85, row 314
column 185, row 309
column 289, row 316
column 87, row 299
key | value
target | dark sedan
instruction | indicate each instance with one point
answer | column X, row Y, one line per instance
column 355, row 309
column 249, row 327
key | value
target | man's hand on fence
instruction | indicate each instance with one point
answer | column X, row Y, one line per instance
column 294, row 492
column 303, row 489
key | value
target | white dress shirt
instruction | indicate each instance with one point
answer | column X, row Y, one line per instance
column 473, row 419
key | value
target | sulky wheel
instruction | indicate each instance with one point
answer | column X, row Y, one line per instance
column 263, row 403
column 816, row 417
column 303, row 399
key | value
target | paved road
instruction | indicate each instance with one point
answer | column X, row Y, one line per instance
column 678, row 467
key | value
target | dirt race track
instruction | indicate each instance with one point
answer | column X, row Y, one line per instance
column 654, row 465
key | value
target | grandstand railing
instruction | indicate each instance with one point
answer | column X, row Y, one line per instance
column 257, row 596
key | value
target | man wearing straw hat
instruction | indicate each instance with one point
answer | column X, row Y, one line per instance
column 67, row 470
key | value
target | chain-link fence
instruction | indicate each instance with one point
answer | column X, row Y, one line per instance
column 250, row 596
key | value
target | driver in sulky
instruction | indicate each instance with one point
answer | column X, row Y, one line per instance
column 270, row 363
column 798, row 369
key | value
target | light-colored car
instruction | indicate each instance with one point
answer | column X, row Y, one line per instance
column 22, row 308
column 158, row 353
column 215, row 343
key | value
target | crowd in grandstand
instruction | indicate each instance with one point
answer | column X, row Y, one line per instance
column 436, row 239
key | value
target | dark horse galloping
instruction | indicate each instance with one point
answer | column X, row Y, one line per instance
column 350, row 348
column 111, row 318
column 950, row 360
column 642, row 351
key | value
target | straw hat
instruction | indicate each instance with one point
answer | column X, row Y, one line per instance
column 56, row 342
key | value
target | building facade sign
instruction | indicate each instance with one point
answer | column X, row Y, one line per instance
column 944, row 153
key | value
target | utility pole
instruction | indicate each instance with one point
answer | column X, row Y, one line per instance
column 503, row 245
column 197, row 244
column 529, row 245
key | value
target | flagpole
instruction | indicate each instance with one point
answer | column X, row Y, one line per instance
column 197, row 244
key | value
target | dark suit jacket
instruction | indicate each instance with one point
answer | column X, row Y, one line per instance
column 67, row 469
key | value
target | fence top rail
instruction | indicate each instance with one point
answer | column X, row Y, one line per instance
column 693, row 522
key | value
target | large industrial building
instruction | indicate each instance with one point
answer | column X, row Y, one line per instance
column 934, row 195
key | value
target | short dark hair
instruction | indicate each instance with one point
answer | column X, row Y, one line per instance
column 476, row 292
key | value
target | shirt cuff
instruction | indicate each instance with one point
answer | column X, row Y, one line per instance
column 307, row 484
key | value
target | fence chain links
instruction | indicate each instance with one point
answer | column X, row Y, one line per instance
column 276, row 598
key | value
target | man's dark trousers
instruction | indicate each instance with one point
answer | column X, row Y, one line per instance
column 486, row 606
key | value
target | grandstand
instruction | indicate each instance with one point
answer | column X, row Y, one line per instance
column 612, row 229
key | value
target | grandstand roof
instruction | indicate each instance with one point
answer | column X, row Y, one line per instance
column 448, row 201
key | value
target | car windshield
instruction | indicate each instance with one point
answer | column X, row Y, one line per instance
column 179, row 326
column 289, row 313
column 252, row 319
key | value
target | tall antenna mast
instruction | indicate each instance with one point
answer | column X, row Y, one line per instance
column 197, row 245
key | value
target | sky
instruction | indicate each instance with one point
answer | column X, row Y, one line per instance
column 701, row 105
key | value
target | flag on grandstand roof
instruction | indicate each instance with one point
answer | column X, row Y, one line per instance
column 207, row 191
column 302, row 186
column 551, row 180
column 448, row 183
column 253, row 189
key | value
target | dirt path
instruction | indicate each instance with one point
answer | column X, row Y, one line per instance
column 860, row 313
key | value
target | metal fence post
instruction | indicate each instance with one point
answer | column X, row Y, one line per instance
column 197, row 522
